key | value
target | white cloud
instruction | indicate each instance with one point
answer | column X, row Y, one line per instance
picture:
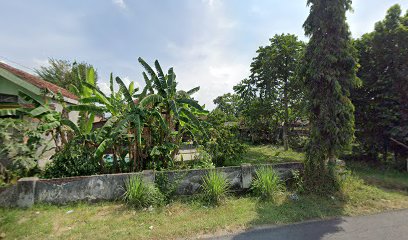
column 211, row 3
column 208, row 60
column 37, row 63
column 119, row 3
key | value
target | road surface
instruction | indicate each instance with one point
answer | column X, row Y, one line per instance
column 384, row 226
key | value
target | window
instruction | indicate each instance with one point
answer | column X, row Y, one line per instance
column 6, row 98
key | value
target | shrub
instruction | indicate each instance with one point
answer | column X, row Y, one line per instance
column 75, row 159
column 223, row 143
column 140, row 194
column 168, row 187
column 21, row 145
column 298, row 181
column 267, row 184
column 215, row 187
column 202, row 159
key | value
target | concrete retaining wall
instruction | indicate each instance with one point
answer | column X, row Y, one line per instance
column 29, row 191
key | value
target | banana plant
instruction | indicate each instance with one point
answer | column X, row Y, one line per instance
column 52, row 122
column 87, row 111
column 178, row 106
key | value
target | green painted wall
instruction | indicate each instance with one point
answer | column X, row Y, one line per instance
column 9, row 87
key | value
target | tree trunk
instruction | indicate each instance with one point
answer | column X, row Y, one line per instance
column 331, row 160
column 286, row 120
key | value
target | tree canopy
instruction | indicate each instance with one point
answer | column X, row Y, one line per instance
column 330, row 74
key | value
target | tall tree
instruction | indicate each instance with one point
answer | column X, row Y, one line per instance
column 382, row 101
column 230, row 104
column 330, row 73
column 274, row 83
column 64, row 73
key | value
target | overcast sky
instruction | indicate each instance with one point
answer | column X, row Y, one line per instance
column 210, row 43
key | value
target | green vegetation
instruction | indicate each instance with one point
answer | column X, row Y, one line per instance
column 215, row 187
column 381, row 100
column 330, row 73
column 190, row 218
column 380, row 177
column 140, row 194
column 267, row 184
column 261, row 154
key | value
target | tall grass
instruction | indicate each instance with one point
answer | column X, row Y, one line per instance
column 215, row 187
column 140, row 194
column 267, row 184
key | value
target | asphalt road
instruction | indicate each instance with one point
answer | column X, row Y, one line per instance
column 389, row 225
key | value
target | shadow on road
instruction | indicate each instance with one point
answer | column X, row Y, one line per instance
column 303, row 231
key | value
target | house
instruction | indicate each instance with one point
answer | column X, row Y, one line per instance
column 13, row 81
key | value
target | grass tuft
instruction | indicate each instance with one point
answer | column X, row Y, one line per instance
column 267, row 184
column 140, row 194
column 215, row 187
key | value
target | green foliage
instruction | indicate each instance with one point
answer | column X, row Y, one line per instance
column 168, row 187
column 140, row 194
column 272, row 98
column 382, row 100
column 21, row 145
column 64, row 73
column 161, row 157
column 75, row 159
column 330, row 74
column 230, row 104
column 223, row 144
column 215, row 187
column 267, row 184
column 298, row 182
column 202, row 159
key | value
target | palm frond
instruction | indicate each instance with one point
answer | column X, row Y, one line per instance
column 150, row 99
column 171, row 80
column 190, row 102
column 36, row 112
column 71, row 125
column 89, row 124
column 105, row 144
column 125, row 92
column 30, row 99
column 106, row 128
column 86, row 108
column 194, row 120
column 162, row 123
column 173, row 108
column 111, row 85
column 193, row 90
column 160, row 74
column 146, row 66
column 148, row 83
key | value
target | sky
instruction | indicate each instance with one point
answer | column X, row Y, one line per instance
column 210, row 43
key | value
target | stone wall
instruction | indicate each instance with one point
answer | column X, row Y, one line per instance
column 29, row 191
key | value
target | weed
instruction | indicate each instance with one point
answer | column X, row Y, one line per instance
column 140, row 194
column 215, row 187
column 267, row 184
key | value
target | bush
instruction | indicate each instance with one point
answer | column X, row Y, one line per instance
column 21, row 145
column 298, row 184
column 215, row 187
column 168, row 187
column 267, row 184
column 140, row 194
column 75, row 159
column 223, row 144
column 202, row 159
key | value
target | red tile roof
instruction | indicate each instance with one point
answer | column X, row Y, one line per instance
column 38, row 82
